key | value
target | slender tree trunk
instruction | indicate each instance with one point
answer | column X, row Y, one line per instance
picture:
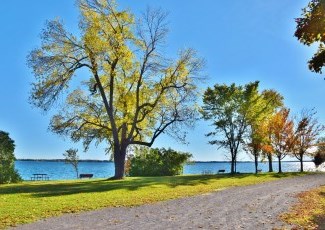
column 269, row 156
column 235, row 164
column 280, row 169
column 119, row 162
column 256, row 162
column 232, row 168
column 301, row 163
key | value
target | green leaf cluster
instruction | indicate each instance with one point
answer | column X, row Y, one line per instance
column 157, row 162
column 8, row 174
column 319, row 156
column 237, row 113
column 311, row 29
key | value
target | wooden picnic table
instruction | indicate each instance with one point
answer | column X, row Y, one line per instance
column 40, row 176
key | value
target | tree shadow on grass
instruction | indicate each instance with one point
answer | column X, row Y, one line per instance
column 60, row 188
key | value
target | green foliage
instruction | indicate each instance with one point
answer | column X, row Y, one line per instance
column 8, row 174
column 228, row 108
column 311, row 29
column 71, row 157
column 319, row 157
column 157, row 162
column 233, row 110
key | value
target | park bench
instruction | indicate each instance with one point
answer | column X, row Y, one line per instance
column 259, row 170
column 207, row 172
column 39, row 176
column 221, row 171
column 87, row 175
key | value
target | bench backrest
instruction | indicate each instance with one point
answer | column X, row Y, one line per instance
column 85, row 175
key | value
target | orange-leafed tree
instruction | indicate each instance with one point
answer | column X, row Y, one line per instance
column 307, row 130
column 267, row 152
column 281, row 134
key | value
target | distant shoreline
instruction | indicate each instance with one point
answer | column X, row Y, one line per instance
column 62, row 160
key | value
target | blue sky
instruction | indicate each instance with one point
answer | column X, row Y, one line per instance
column 241, row 41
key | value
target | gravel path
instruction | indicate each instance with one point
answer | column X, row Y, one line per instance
column 248, row 207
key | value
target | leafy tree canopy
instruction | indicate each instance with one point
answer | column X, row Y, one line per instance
column 232, row 109
column 311, row 29
column 131, row 92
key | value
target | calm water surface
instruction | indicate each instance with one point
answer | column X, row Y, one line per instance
column 62, row 171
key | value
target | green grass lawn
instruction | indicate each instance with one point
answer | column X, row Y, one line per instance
column 30, row 201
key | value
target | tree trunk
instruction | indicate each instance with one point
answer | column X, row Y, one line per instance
column 235, row 165
column 301, row 164
column 119, row 163
column 256, row 162
column 280, row 169
column 269, row 156
column 232, row 169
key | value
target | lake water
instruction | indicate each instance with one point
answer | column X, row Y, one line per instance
column 62, row 171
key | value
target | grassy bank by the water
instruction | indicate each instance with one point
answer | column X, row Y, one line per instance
column 30, row 201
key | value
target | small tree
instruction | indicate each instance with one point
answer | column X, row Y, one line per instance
column 8, row 174
column 281, row 127
column 71, row 157
column 306, row 131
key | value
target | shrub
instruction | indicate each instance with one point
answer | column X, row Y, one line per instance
column 157, row 162
column 319, row 158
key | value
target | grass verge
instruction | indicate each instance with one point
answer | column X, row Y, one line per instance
column 30, row 201
column 309, row 212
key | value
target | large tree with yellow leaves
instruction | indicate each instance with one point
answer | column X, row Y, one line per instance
column 129, row 93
